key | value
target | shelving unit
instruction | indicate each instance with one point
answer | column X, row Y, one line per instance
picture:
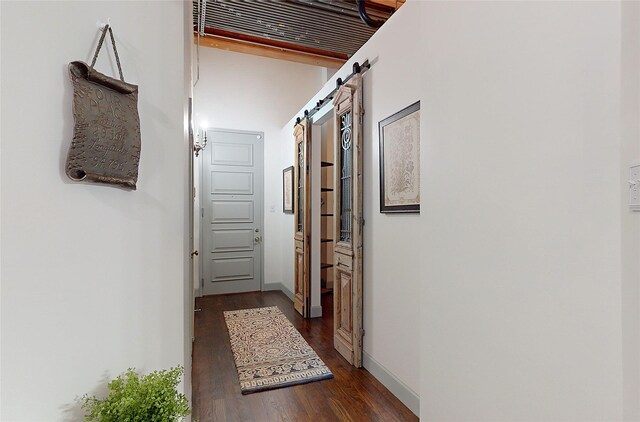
column 325, row 267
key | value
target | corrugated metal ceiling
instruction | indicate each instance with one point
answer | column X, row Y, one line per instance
column 325, row 27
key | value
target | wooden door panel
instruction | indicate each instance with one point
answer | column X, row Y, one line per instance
column 347, row 294
column 343, row 333
column 299, row 292
column 345, row 303
column 345, row 261
column 302, row 220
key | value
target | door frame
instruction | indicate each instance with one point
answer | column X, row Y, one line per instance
column 261, row 205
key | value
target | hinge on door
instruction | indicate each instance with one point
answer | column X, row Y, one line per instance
column 361, row 221
column 202, row 212
column 361, row 332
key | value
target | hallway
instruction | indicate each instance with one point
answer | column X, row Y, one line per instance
column 353, row 395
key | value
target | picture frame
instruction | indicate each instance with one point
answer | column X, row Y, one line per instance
column 287, row 190
column 399, row 136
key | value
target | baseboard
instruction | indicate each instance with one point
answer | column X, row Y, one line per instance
column 399, row 389
column 316, row 311
column 267, row 287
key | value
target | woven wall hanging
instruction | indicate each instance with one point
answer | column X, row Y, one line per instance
column 106, row 134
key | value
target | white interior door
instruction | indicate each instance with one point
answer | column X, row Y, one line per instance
column 232, row 174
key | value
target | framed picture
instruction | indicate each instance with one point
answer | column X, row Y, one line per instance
column 287, row 190
column 400, row 161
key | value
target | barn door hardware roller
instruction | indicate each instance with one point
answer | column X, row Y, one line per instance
column 357, row 69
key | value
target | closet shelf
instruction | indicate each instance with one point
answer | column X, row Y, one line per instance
column 326, row 215
column 324, row 240
column 326, row 189
column 324, row 265
column 326, row 164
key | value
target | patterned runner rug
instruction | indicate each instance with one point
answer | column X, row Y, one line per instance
column 269, row 352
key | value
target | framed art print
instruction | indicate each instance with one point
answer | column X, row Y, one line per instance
column 287, row 190
column 400, row 161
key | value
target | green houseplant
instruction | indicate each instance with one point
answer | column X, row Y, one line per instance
column 140, row 398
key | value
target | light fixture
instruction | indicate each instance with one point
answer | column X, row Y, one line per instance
column 201, row 140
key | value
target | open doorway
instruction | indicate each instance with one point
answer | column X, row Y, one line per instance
column 322, row 213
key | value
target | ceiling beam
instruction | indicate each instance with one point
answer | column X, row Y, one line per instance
column 272, row 52
column 274, row 43
column 394, row 4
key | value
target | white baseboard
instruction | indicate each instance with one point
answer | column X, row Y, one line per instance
column 316, row 311
column 267, row 287
column 399, row 389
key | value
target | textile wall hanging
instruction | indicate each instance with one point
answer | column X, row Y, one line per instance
column 106, row 134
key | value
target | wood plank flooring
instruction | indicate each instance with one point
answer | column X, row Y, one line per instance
column 353, row 395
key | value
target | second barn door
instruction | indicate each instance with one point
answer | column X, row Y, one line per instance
column 348, row 222
column 302, row 221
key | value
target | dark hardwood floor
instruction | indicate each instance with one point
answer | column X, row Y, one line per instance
column 353, row 395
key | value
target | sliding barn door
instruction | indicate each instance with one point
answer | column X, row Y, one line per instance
column 302, row 207
column 347, row 290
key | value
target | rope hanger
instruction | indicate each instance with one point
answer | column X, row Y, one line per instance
column 106, row 28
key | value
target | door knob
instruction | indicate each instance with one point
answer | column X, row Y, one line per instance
column 257, row 238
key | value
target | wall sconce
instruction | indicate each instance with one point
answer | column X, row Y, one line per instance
column 201, row 141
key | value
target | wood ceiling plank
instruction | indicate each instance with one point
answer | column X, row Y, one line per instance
column 394, row 4
column 274, row 43
column 268, row 51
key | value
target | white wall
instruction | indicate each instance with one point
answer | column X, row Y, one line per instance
column 92, row 276
column 522, row 261
column 525, row 254
column 630, row 227
column 244, row 92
